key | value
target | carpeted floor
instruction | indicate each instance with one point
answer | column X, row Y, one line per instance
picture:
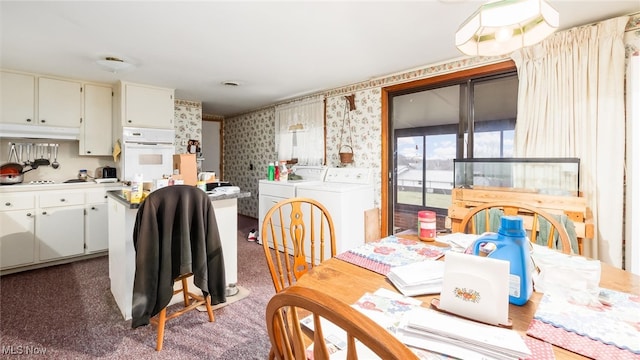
column 68, row 312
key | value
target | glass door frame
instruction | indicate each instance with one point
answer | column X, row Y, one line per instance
column 388, row 146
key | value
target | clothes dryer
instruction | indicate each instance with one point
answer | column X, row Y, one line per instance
column 346, row 193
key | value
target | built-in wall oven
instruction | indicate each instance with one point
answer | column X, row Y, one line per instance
column 148, row 152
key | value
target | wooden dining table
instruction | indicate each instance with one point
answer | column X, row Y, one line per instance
column 348, row 282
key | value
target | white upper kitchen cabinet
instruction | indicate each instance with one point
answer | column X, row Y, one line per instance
column 59, row 102
column 17, row 98
column 95, row 131
column 145, row 106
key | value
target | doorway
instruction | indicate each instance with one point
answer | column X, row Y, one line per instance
column 212, row 146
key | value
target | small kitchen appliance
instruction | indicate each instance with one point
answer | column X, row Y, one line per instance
column 106, row 172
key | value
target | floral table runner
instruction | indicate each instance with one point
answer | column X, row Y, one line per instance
column 391, row 251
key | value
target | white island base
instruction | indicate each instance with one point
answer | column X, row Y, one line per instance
column 122, row 254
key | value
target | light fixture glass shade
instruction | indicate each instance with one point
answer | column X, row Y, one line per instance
column 113, row 64
column 296, row 127
column 502, row 26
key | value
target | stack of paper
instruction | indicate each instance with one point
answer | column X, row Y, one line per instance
column 459, row 242
column 419, row 278
column 385, row 307
column 460, row 338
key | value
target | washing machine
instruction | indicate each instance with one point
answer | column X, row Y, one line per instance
column 346, row 193
column 271, row 192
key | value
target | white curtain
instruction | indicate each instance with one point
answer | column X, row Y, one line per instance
column 300, row 131
column 571, row 104
column 632, row 233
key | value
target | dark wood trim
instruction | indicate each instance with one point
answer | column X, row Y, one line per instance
column 221, row 121
column 492, row 69
column 384, row 168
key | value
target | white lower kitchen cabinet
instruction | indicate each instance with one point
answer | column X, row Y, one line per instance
column 41, row 228
column 96, row 234
column 60, row 224
column 18, row 242
column 96, row 222
column 60, row 232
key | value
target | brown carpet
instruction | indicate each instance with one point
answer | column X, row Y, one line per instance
column 68, row 312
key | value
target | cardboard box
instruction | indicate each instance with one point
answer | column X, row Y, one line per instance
column 187, row 167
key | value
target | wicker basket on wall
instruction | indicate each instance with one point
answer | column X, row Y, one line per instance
column 346, row 157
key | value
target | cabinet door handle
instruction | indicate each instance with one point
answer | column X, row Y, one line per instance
column 93, row 208
column 43, row 121
column 7, row 204
column 29, row 215
column 44, row 213
column 28, row 120
column 63, row 200
column 129, row 121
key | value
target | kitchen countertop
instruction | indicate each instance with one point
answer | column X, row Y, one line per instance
column 57, row 186
column 117, row 195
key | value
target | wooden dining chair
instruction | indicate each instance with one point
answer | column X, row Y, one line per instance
column 484, row 214
column 297, row 234
column 289, row 342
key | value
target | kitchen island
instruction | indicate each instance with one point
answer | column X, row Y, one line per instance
column 122, row 217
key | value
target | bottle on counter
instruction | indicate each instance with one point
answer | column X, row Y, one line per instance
column 284, row 173
column 271, row 172
column 276, row 171
column 137, row 189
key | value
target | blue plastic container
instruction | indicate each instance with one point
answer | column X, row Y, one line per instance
column 511, row 245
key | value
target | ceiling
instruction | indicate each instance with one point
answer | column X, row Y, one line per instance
column 275, row 50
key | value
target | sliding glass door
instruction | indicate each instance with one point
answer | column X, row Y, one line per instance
column 431, row 126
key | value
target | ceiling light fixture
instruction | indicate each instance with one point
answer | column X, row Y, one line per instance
column 502, row 26
column 113, row 64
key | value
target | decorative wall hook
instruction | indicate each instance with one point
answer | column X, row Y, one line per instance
column 351, row 99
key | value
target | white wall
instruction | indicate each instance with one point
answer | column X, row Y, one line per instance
column 211, row 146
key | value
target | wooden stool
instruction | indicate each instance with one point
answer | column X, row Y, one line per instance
column 188, row 305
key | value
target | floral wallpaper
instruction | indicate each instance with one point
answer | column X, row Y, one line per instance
column 632, row 36
column 363, row 134
column 188, row 123
column 248, row 138
column 248, row 147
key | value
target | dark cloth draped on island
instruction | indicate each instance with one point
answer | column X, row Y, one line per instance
column 175, row 233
